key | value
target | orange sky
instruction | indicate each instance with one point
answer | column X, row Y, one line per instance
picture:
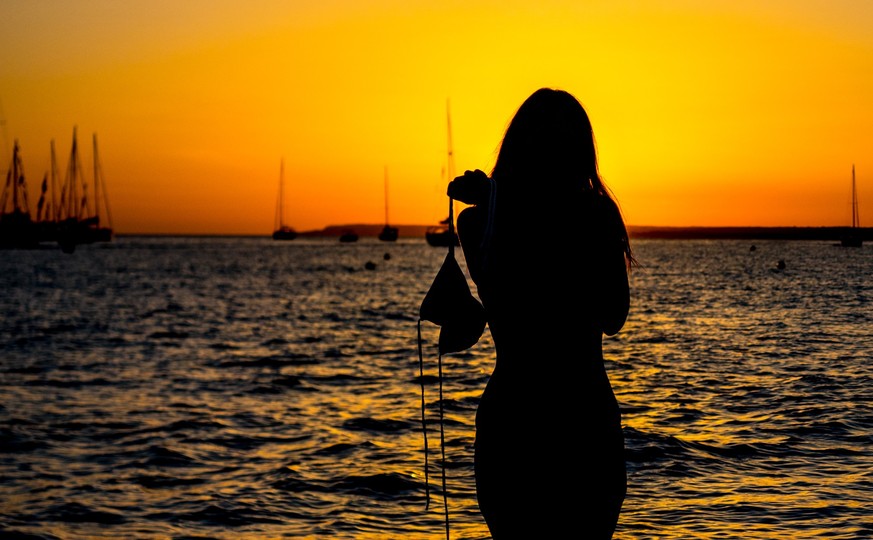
column 723, row 112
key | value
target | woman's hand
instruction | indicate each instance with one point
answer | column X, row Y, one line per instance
column 474, row 187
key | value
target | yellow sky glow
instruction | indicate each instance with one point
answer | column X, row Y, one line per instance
column 726, row 112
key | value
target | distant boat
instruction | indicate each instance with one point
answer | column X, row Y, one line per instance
column 388, row 233
column 348, row 237
column 78, row 219
column 444, row 235
column 47, row 207
column 441, row 235
column 100, row 233
column 852, row 237
column 17, row 229
column 281, row 231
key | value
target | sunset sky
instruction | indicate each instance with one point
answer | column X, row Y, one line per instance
column 706, row 112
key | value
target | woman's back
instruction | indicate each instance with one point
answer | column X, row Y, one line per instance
column 547, row 249
column 541, row 271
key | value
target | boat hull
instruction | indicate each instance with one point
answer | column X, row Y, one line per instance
column 851, row 241
column 348, row 237
column 441, row 237
column 389, row 234
column 284, row 234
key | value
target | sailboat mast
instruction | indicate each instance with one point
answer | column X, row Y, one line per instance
column 386, row 194
column 451, row 157
column 282, row 192
column 70, row 194
column 856, row 219
column 100, row 178
column 15, row 183
column 56, row 217
column 450, row 170
column 16, row 173
column 280, row 204
column 96, row 180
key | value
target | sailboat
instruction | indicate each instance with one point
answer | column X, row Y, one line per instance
column 17, row 229
column 388, row 233
column 444, row 234
column 282, row 231
column 100, row 233
column 78, row 219
column 852, row 237
column 441, row 235
column 47, row 206
column 349, row 236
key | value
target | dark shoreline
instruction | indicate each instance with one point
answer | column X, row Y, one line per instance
column 639, row 232
column 749, row 233
column 636, row 232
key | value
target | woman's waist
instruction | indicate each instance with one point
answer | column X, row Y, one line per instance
column 545, row 396
column 526, row 337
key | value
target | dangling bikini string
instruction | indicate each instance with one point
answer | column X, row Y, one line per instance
column 423, row 421
column 452, row 237
column 421, row 379
column 424, row 432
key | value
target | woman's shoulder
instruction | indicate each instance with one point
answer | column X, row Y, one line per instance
column 603, row 218
column 472, row 222
column 604, row 209
column 472, row 216
column 601, row 202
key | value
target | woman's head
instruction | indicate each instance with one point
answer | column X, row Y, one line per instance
column 550, row 139
column 548, row 155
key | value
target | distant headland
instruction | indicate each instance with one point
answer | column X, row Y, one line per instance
column 636, row 232
column 747, row 233
column 366, row 230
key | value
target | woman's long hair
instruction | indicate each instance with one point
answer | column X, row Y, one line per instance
column 550, row 139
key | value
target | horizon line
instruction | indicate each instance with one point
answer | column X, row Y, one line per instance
column 335, row 229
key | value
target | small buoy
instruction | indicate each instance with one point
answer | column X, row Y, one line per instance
column 370, row 265
column 386, row 256
column 780, row 265
column 753, row 248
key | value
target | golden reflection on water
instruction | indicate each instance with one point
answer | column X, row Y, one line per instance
column 211, row 408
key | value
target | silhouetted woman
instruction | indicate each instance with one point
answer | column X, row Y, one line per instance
column 548, row 250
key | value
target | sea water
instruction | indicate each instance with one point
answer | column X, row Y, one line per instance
column 245, row 388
